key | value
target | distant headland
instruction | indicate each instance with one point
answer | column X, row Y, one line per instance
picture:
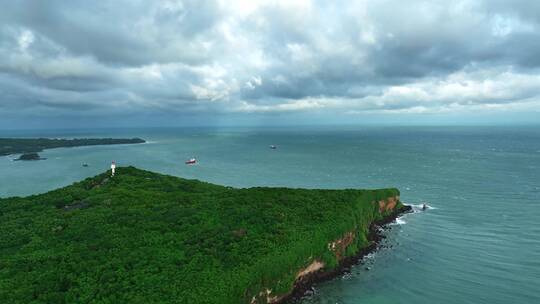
column 10, row 146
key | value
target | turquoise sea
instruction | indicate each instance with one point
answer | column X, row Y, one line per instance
column 478, row 243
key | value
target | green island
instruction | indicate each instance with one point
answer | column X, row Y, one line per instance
column 30, row 156
column 143, row 237
column 33, row 145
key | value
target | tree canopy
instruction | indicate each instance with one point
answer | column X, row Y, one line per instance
column 143, row 237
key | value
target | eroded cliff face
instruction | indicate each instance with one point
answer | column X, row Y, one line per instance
column 389, row 204
column 317, row 268
column 271, row 298
column 339, row 246
column 314, row 267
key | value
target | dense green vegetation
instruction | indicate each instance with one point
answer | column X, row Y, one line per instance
column 27, row 145
column 142, row 237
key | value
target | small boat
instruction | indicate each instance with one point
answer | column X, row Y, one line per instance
column 85, row 165
column 191, row 161
column 273, row 147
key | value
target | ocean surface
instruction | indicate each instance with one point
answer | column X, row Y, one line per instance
column 479, row 242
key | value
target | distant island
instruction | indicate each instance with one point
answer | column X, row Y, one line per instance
column 33, row 145
column 143, row 237
column 30, row 156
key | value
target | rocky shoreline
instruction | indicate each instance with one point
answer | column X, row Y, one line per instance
column 375, row 235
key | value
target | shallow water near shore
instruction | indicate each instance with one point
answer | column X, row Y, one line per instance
column 478, row 243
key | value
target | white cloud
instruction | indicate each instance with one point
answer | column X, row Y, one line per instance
column 254, row 82
column 289, row 106
column 25, row 40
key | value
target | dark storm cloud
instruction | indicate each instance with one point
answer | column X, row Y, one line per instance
column 119, row 32
column 268, row 56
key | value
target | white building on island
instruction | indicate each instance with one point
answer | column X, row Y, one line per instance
column 113, row 167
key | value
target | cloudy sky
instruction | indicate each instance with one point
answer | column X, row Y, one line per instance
column 77, row 63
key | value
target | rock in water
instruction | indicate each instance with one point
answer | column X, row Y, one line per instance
column 30, row 156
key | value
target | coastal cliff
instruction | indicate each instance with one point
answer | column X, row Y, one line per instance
column 143, row 237
column 346, row 251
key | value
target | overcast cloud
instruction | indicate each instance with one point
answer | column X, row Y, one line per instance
column 216, row 58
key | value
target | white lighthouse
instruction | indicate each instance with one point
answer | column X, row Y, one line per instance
column 113, row 168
